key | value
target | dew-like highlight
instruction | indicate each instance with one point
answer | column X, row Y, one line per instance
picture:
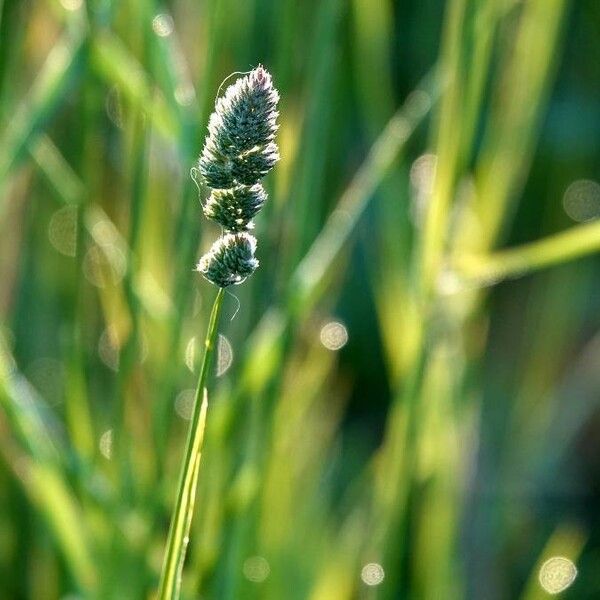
column 71, row 5
column 334, row 335
column 224, row 355
column 106, row 444
column 108, row 348
column 372, row 574
column 184, row 94
column 163, row 25
column 62, row 230
column 114, row 106
column 581, row 200
column 422, row 175
column 256, row 569
column 557, row 574
column 190, row 354
column 184, row 404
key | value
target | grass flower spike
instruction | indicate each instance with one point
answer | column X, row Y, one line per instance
column 239, row 151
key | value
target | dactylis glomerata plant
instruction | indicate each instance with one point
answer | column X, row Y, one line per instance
column 239, row 151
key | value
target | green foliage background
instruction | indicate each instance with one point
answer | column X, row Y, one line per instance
column 453, row 440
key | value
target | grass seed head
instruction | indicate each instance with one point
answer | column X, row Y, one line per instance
column 239, row 151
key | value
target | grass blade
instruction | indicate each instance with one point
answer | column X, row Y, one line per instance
column 61, row 69
column 554, row 250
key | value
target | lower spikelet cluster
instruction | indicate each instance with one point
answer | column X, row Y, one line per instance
column 230, row 259
column 239, row 151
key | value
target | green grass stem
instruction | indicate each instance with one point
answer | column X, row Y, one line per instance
column 184, row 508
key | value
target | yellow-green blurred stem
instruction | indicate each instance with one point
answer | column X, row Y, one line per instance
column 553, row 250
column 181, row 519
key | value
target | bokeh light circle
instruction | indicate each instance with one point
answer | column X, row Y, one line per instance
column 372, row 574
column 557, row 574
column 256, row 569
column 334, row 335
column 582, row 200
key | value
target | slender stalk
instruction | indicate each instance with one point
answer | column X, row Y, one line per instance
column 181, row 519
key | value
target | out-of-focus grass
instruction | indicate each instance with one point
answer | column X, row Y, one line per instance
column 446, row 448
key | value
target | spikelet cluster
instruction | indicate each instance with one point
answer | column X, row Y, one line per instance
column 230, row 259
column 239, row 151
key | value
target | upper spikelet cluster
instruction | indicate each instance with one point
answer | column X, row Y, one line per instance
column 239, row 151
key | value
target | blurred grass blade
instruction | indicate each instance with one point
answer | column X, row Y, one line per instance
column 71, row 191
column 40, row 471
column 310, row 168
column 556, row 249
column 24, row 410
column 48, row 492
column 510, row 135
column 58, row 171
column 372, row 51
column 313, row 268
column 48, row 489
column 119, row 67
column 61, row 69
column 448, row 136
